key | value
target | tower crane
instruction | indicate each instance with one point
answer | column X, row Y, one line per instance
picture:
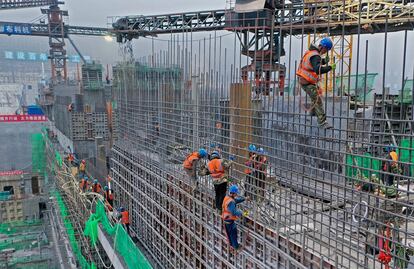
column 262, row 30
column 55, row 29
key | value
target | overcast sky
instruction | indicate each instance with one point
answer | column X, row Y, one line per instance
column 96, row 12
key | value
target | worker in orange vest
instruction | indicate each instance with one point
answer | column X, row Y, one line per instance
column 84, row 184
column 82, row 169
column 231, row 214
column 217, row 169
column 109, row 198
column 190, row 165
column 124, row 216
column 390, row 165
column 249, row 170
column 96, row 186
column 310, row 68
column 260, row 170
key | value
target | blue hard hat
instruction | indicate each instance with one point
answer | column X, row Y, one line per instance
column 252, row 148
column 202, row 152
column 234, row 189
column 121, row 209
column 326, row 43
column 390, row 147
column 260, row 150
column 85, row 177
column 215, row 154
column 95, row 181
column 106, row 188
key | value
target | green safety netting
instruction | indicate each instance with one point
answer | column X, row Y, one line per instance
column 84, row 264
column 22, row 242
column 354, row 85
column 58, row 158
column 18, row 226
column 123, row 243
column 406, row 94
column 38, row 154
column 356, row 165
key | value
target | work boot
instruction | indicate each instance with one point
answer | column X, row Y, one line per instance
column 325, row 125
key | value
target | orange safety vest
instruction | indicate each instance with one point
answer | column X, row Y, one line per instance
column 305, row 69
column 188, row 162
column 216, row 168
column 260, row 164
column 227, row 215
column 96, row 188
column 125, row 217
column 249, row 163
column 84, row 184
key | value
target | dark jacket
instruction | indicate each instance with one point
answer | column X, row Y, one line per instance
column 317, row 61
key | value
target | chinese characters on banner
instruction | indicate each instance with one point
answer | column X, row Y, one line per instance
column 22, row 118
column 11, row 173
column 42, row 57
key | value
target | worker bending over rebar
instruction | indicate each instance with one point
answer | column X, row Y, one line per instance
column 190, row 165
column 310, row 68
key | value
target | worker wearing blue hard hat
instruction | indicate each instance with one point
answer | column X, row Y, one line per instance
column 311, row 67
column 249, row 169
column 190, row 164
column 230, row 214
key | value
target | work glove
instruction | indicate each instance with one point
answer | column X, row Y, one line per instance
column 327, row 59
column 333, row 66
column 245, row 213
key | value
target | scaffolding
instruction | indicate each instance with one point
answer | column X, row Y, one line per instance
column 311, row 206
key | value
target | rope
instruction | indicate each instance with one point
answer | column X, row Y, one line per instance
column 385, row 253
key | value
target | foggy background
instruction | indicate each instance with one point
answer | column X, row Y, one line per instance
column 96, row 13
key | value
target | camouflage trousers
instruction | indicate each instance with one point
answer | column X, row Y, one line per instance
column 317, row 105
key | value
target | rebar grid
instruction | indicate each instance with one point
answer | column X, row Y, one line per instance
column 318, row 204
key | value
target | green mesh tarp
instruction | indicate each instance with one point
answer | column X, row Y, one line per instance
column 363, row 165
column 354, row 85
column 406, row 95
column 124, row 245
column 18, row 226
column 84, row 264
column 359, row 164
column 38, row 154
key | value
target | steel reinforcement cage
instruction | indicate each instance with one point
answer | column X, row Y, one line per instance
column 323, row 201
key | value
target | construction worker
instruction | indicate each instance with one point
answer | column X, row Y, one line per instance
column 390, row 165
column 249, row 170
column 84, row 184
column 217, row 169
column 190, row 165
column 109, row 198
column 96, row 186
column 124, row 216
column 310, row 68
column 231, row 214
column 82, row 169
column 260, row 170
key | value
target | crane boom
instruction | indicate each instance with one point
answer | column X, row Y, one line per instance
column 299, row 17
column 39, row 29
column 17, row 4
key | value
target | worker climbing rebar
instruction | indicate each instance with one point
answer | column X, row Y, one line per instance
column 230, row 214
column 124, row 217
column 249, row 170
column 96, row 186
column 310, row 68
column 82, row 169
column 190, row 165
column 109, row 198
column 218, row 170
column 84, row 183
column 260, row 171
